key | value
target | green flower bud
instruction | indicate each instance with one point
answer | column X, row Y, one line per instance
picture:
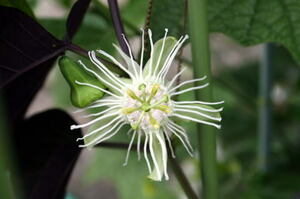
column 81, row 96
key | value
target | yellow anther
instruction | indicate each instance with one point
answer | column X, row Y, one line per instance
column 154, row 89
column 163, row 108
column 131, row 94
column 153, row 121
column 164, row 99
column 129, row 110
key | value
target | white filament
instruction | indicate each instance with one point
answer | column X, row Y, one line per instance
column 189, row 89
column 196, row 120
column 186, row 82
column 129, row 147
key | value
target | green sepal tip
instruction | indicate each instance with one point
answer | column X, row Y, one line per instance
column 81, row 96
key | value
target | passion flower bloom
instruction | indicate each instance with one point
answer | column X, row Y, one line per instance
column 146, row 102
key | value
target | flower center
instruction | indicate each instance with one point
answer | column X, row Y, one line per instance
column 146, row 106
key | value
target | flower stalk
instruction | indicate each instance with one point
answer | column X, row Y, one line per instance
column 198, row 24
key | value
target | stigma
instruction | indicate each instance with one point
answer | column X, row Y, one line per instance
column 146, row 106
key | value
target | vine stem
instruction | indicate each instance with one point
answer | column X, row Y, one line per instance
column 105, row 13
column 201, row 62
column 118, row 25
column 177, row 170
column 182, row 179
column 265, row 112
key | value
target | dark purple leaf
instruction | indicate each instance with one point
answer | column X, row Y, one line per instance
column 24, row 44
column 27, row 52
column 75, row 17
column 47, row 151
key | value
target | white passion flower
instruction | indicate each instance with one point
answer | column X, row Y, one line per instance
column 146, row 103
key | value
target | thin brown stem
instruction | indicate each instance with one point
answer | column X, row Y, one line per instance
column 182, row 179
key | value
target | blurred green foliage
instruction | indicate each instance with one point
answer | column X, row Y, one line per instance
column 239, row 177
column 167, row 14
column 19, row 4
column 5, row 159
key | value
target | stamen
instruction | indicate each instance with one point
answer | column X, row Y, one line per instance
column 131, row 94
column 129, row 110
column 153, row 92
column 163, row 108
column 164, row 99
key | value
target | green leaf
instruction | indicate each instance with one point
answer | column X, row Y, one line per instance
column 167, row 14
column 134, row 12
column 169, row 44
column 81, row 96
column 252, row 22
column 19, row 4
